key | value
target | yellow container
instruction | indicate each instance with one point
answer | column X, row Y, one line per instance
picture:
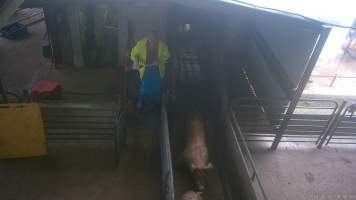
column 21, row 131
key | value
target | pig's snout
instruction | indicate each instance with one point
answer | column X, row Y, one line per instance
column 191, row 195
column 209, row 166
column 206, row 167
column 201, row 187
column 200, row 175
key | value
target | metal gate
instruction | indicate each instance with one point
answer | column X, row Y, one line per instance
column 85, row 121
column 343, row 128
column 241, row 167
column 261, row 119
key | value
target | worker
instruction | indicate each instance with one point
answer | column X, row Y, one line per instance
column 149, row 57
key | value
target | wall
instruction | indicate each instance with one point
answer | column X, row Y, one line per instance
column 290, row 42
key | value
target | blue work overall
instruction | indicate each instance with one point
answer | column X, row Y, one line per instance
column 150, row 87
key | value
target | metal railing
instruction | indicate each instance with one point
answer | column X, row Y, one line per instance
column 119, row 136
column 343, row 129
column 166, row 159
column 84, row 122
column 261, row 119
column 333, row 78
column 248, row 161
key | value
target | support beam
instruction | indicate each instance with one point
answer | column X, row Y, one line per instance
column 44, row 3
column 123, row 35
column 314, row 55
column 53, row 33
column 74, row 27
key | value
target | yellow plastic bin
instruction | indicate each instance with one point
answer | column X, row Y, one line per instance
column 21, row 131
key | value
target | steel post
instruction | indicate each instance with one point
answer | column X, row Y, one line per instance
column 3, row 92
column 332, row 125
column 336, row 123
column 303, row 82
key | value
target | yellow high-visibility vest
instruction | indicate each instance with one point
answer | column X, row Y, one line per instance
column 139, row 55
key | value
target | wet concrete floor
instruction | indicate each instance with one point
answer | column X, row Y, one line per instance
column 72, row 171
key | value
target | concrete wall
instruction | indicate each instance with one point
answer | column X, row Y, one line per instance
column 291, row 41
column 7, row 8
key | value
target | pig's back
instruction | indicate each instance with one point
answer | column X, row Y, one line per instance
column 196, row 150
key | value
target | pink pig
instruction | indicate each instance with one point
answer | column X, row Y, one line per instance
column 196, row 151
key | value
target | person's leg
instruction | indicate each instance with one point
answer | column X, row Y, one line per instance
column 133, row 86
column 140, row 101
column 152, row 125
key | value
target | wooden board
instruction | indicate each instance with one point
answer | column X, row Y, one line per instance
column 21, row 131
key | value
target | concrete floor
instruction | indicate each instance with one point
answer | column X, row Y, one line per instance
column 83, row 172
column 301, row 171
column 69, row 171
column 22, row 65
column 342, row 65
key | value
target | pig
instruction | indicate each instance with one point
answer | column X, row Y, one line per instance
column 191, row 195
column 196, row 151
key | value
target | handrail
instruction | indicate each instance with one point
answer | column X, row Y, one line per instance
column 254, row 174
column 167, row 178
column 236, row 101
column 338, row 119
column 334, row 78
column 3, row 92
column 274, row 114
column 312, row 59
column 119, row 120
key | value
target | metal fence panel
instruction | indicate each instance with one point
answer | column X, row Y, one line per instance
column 85, row 122
column 343, row 130
column 261, row 119
column 166, row 159
column 247, row 165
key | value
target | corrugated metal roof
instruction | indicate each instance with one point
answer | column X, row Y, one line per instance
column 338, row 13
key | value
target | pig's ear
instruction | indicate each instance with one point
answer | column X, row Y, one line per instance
column 209, row 166
column 193, row 167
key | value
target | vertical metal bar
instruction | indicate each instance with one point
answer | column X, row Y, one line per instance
column 254, row 176
column 330, row 121
column 90, row 31
column 336, row 123
column 50, row 13
column 116, row 139
column 333, row 81
column 303, row 82
column 118, row 116
column 3, row 92
column 166, row 159
column 331, row 126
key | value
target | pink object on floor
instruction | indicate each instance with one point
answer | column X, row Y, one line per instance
column 46, row 90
